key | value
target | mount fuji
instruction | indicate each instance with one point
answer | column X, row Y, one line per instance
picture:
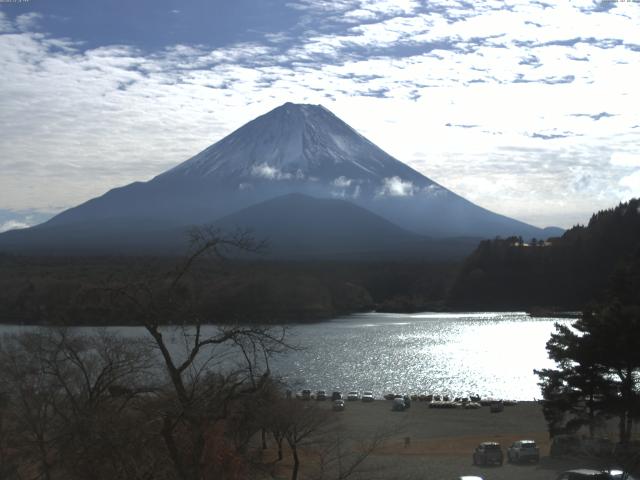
column 293, row 149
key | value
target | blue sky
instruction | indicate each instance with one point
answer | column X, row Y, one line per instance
column 528, row 108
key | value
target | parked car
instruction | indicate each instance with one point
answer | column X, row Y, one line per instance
column 615, row 474
column 523, row 451
column 305, row 394
column 338, row 405
column 398, row 405
column 488, row 453
column 336, row 396
column 368, row 397
column 321, row 395
column 353, row 396
column 584, row 474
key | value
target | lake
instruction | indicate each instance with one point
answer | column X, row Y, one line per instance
column 491, row 354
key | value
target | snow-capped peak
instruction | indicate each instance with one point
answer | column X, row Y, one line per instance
column 296, row 142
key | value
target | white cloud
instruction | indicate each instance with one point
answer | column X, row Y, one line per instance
column 346, row 187
column 342, row 182
column 632, row 184
column 433, row 190
column 359, row 15
column 264, row 170
column 77, row 122
column 621, row 159
column 28, row 21
column 396, row 187
column 12, row 225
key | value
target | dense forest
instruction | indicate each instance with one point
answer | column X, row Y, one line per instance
column 77, row 290
column 562, row 273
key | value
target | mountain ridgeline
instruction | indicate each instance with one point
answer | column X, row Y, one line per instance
column 298, row 176
column 567, row 272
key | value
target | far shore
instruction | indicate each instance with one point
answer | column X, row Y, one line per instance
column 537, row 313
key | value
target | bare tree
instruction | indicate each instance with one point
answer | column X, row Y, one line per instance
column 61, row 411
column 28, row 411
column 199, row 400
column 297, row 423
column 343, row 455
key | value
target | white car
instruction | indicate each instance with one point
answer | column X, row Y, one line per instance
column 523, row 451
column 353, row 396
column 368, row 397
column 584, row 474
column 619, row 475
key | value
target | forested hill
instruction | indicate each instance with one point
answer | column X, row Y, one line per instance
column 564, row 273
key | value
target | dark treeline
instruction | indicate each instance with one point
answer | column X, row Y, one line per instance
column 70, row 290
column 566, row 272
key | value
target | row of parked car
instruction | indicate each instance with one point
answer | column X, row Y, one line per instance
column 446, row 401
column 322, row 395
column 402, row 402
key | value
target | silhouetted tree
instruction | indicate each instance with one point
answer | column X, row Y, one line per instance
column 578, row 387
column 61, row 415
column 199, row 401
column 598, row 365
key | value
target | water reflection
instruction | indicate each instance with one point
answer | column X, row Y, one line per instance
column 492, row 354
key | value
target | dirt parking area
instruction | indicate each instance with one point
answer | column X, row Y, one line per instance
column 437, row 444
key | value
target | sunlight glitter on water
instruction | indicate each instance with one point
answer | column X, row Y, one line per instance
column 493, row 354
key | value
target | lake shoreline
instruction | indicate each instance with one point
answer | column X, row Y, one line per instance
column 536, row 313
